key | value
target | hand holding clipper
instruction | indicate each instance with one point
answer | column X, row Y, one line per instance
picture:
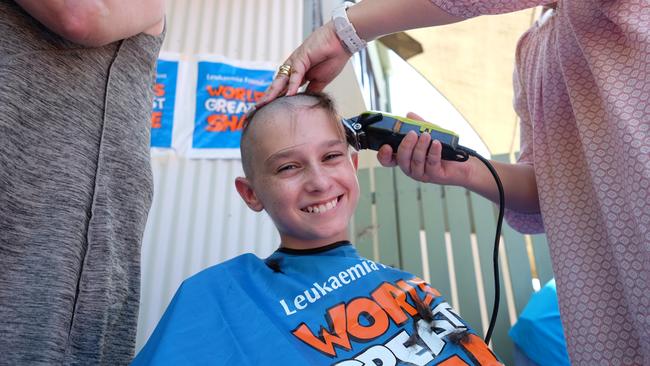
column 371, row 130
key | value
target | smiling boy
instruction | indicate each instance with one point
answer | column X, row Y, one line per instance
column 314, row 301
column 299, row 170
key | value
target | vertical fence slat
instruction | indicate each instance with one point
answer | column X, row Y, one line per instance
column 459, row 228
column 386, row 218
column 485, row 225
column 363, row 225
column 409, row 223
column 434, row 226
column 519, row 265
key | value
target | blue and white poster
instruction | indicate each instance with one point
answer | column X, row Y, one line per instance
column 162, row 115
column 225, row 91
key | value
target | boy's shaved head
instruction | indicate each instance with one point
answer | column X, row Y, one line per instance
column 281, row 108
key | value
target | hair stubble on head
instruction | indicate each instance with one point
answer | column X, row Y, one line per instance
column 283, row 107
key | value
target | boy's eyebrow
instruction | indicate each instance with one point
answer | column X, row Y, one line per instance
column 290, row 150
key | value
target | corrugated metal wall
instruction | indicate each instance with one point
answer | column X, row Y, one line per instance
column 197, row 218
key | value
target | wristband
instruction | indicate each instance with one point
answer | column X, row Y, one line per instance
column 345, row 30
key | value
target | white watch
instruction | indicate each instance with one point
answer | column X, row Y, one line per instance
column 345, row 30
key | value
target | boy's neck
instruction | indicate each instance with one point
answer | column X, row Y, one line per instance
column 314, row 250
column 295, row 244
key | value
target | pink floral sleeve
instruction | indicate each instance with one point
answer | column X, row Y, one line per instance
column 473, row 8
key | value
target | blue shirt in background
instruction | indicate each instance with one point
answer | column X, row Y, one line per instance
column 538, row 331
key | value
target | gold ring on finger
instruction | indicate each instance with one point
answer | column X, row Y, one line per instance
column 284, row 70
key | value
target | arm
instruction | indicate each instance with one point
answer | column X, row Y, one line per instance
column 321, row 57
column 372, row 19
column 518, row 181
column 415, row 161
column 96, row 22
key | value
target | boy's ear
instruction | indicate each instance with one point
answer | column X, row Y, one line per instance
column 245, row 190
column 355, row 160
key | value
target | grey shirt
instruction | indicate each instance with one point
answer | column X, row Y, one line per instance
column 75, row 189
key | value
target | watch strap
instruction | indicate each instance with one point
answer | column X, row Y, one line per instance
column 345, row 30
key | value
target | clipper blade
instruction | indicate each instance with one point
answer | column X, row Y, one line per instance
column 350, row 133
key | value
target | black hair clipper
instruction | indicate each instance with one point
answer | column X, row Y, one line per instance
column 371, row 130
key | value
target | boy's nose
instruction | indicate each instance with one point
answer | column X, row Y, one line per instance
column 317, row 180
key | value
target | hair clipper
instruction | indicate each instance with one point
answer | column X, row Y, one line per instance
column 371, row 130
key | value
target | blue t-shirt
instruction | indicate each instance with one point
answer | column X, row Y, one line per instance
column 327, row 306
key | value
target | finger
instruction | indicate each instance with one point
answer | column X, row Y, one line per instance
column 433, row 163
column 296, row 77
column 320, row 75
column 385, row 156
column 420, row 155
column 316, row 86
column 405, row 152
column 273, row 91
column 277, row 88
column 281, row 85
column 413, row 115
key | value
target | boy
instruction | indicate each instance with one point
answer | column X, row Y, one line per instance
column 315, row 301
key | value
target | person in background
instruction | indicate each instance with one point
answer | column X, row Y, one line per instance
column 314, row 301
column 581, row 90
column 75, row 182
column 538, row 333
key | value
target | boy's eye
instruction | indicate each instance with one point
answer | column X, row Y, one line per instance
column 331, row 156
column 286, row 167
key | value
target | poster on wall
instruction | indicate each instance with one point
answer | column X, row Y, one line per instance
column 225, row 91
column 164, row 102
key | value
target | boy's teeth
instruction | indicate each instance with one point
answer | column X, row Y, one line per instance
column 323, row 207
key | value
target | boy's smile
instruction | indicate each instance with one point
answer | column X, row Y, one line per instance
column 322, row 207
column 303, row 176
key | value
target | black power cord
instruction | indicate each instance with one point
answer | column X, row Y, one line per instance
column 497, row 237
column 371, row 130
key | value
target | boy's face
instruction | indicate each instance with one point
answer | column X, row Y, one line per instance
column 303, row 176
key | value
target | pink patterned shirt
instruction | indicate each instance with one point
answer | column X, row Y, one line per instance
column 582, row 91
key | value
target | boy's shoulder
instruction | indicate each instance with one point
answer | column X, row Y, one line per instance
column 240, row 264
